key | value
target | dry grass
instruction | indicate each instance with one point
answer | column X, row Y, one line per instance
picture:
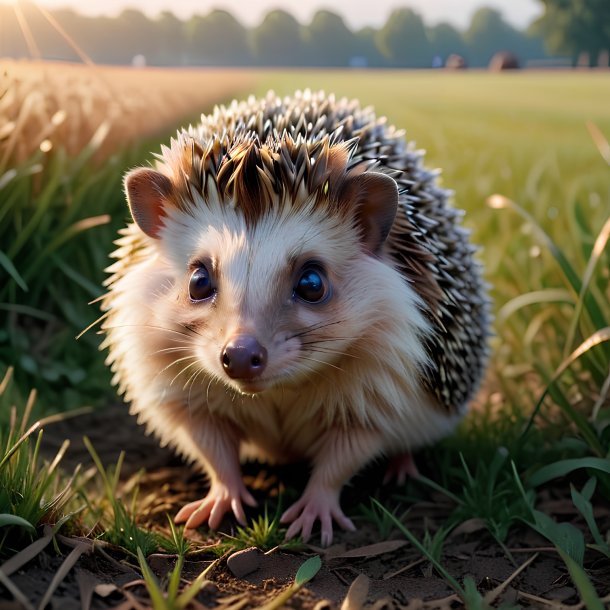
column 43, row 104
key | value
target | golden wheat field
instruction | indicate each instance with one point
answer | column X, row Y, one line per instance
column 47, row 103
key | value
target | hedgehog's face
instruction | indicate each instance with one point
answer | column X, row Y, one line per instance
column 271, row 302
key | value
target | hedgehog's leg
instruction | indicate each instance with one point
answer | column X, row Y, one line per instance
column 342, row 453
column 400, row 467
column 215, row 445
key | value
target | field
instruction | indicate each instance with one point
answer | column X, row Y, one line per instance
column 511, row 512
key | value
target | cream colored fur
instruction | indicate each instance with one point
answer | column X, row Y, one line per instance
column 366, row 379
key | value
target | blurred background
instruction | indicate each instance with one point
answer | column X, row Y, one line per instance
column 421, row 34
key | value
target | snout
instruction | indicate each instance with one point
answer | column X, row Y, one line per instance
column 243, row 358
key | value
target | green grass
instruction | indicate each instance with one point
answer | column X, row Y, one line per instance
column 56, row 225
column 522, row 135
column 32, row 491
column 543, row 416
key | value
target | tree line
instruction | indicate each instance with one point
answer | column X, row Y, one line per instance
column 220, row 39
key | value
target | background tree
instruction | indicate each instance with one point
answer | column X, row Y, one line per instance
column 487, row 34
column 403, row 40
column 278, row 40
column 134, row 35
column 171, row 40
column 575, row 27
column 330, row 42
column 366, row 48
column 446, row 40
column 218, row 39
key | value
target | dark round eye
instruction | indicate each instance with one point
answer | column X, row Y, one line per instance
column 200, row 285
column 312, row 285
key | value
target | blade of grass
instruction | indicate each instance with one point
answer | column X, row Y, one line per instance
column 16, row 520
column 38, row 425
column 601, row 399
column 582, row 582
column 582, row 501
column 62, row 572
column 564, row 467
column 90, row 288
column 12, row 271
column 419, row 546
column 548, row 295
column 189, row 593
column 491, row 596
column 600, row 141
column 63, row 237
column 27, row 554
column 15, row 591
column 596, row 338
column 152, row 584
column 500, row 202
column 598, row 249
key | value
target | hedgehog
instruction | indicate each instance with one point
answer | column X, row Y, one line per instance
column 295, row 285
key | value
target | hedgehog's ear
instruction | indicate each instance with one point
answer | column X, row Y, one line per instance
column 375, row 197
column 148, row 191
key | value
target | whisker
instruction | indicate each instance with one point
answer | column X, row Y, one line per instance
column 328, row 339
column 174, row 362
column 183, row 370
column 169, row 350
column 334, row 366
column 314, row 370
column 190, row 407
column 207, row 391
column 314, row 327
column 138, row 326
column 323, row 350
column 192, row 377
column 95, row 323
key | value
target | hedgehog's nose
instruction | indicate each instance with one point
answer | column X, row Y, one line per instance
column 243, row 357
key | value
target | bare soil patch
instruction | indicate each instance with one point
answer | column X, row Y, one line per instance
column 391, row 574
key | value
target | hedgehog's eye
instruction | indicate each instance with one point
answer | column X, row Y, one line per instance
column 313, row 285
column 200, row 285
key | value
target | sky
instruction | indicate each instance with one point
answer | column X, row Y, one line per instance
column 357, row 13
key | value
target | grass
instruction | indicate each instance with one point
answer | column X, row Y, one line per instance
column 67, row 135
column 32, row 491
column 517, row 150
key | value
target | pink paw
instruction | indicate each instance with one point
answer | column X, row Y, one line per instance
column 220, row 499
column 400, row 467
column 316, row 505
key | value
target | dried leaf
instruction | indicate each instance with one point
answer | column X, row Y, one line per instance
column 356, row 596
column 469, row 527
column 27, row 554
column 372, row 550
column 64, row 568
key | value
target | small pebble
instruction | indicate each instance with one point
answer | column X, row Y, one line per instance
column 244, row 562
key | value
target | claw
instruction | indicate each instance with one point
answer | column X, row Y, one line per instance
column 220, row 499
column 400, row 467
column 316, row 505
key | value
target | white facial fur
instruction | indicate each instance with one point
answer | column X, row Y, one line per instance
column 363, row 366
column 254, row 270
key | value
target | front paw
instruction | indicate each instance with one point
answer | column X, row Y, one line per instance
column 316, row 504
column 400, row 468
column 220, row 499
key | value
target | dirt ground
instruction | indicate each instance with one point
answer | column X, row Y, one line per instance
column 381, row 573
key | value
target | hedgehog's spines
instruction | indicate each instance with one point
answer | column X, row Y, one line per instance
column 273, row 151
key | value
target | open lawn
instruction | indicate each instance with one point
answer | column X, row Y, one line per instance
column 512, row 511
